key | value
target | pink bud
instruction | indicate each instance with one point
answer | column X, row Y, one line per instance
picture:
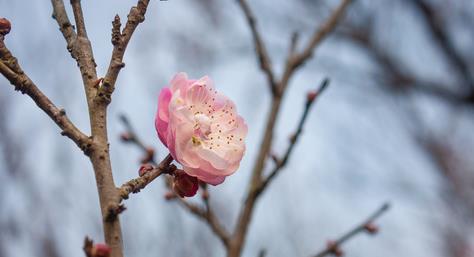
column 334, row 248
column 125, row 137
column 371, row 228
column 169, row 195
column 205, row 195
column 149, row 155
column 100, row 250
column 311, row 95
column 5, row 26
column 144, row 169
column 185, row 185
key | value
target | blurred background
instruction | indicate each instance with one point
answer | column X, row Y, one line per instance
column 395, row 125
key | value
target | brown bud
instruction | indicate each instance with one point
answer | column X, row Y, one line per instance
column 125, row 137
column 184, row 185
column 334, row 248
column 100, row 250
column 205, row 195
column 145, row 168
column 311, row 95
column 149, row 155
column 5, row 26
column 371, row 228
column 170, row 195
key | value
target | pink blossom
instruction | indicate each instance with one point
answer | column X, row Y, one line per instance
column 201, row 128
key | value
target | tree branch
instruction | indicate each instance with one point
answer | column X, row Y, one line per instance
column 10, row 68
column 293, row 62
column 320, row 34
column 435, row 26
column 81, row 50
column 137, row 184
column 79, row 18
column 294, row 138
column 263, row 58
column 367, row 226
column 120, row 42
column 208, row 216
column 79, row 46
column 60, row 15
column 397, row 78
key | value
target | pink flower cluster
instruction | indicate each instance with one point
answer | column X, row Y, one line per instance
column 201, row 128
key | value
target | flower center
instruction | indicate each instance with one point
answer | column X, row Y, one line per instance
column 202, row 128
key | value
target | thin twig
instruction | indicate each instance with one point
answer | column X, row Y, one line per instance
column 60, row 15
column 320, row 34
column 209, row 217
column 79, row 18
column 294, row 61
column 364, row 226
column 120, row 42
column 10, row 68
column 137, row 184
column 77, row 44
column 294, row 138
column 397, row 78
column 443, row 40
column 263, row 58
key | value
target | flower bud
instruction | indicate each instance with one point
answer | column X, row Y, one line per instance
column 169, row 195
column 205, row 195
column 311, row 95
column 100, row 250
column 371, row 228
column 144, row 169
column 334, row 248
column 5, row 26
column 184, row 185
column 149, row 155
column 125, row 137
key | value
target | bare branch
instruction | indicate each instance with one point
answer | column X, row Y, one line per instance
column 137, row 184
column 209, row 217
column 10, row 68
column 320, row 34
column 435, row 25
column 79, row 18
column 78, row 45
column 263, row 58
column 294, row 138
column 366, row 226
column 120, row 42
column 60, row 15
column 293, row 62
column 399, row 79
column 293, row 45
